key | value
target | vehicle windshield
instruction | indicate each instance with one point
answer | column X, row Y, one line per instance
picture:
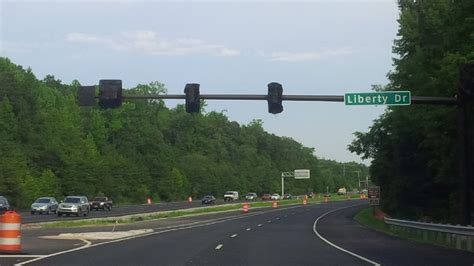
column 72, row 200
column 42, row 201
column 99, row 199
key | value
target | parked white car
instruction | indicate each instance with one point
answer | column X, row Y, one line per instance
column 275, row 196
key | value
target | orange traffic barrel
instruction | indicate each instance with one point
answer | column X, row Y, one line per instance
column 246, row 207
column 148, row 200
column 305, row 201
column 274, row 204
column 10, row 233
column 326, row 199
column 190, row 199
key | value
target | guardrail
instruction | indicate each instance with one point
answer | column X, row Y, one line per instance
column 445, row 228
column 454, row 236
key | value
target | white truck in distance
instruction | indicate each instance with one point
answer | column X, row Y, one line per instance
column 231, row 196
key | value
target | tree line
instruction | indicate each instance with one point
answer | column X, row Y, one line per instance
column 414, row 149
column 51, row 146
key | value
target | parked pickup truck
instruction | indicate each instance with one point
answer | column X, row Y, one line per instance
column 101, row 203
column 231, row 196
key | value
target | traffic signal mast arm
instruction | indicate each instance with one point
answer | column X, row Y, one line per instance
column 305, row 98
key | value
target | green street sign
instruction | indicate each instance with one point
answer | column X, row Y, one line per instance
column 378, row 98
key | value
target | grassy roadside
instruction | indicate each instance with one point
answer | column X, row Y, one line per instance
column 129, row 219
column 366, row 218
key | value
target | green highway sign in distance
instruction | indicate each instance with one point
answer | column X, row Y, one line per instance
column 378, row 98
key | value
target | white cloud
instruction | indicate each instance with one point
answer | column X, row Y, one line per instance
column 150, row 42
column 308, row 56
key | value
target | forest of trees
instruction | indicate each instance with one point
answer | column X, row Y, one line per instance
column 414, row 148
column 51, row 146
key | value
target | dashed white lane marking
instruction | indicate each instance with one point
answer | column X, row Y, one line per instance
column 248, row 229
column 334, row 245
column 286, row 216
column 269, row 221
column 278, row 218
column 219, row 246
column 234, row 235
column 168, row 229
column 259, row 225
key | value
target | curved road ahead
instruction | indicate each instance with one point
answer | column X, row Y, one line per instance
column 320, row 234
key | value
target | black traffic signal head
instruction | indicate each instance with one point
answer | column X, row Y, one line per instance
column 110, row 93
column 193, row 101
column 275, row 98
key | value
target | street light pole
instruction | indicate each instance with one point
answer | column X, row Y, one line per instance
column 282, row 184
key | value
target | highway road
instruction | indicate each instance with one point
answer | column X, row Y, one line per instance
column 318, row 234
column 118, row 211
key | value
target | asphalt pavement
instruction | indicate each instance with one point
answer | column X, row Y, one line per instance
column 293, row 235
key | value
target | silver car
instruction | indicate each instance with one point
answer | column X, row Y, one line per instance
column 78, row 205
column 4, row 205
column 46, row 205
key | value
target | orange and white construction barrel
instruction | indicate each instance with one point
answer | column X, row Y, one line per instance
column 10, row 232
column 246, row 207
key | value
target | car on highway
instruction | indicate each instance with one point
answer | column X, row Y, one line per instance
column 208, row 200
column 266, row 197
column 310, row 194
column 4, row 205
column 275, row 196
column 231, row 196
column 101, row 203
column 44, row 205
column 287, row 196
column 251, row 196
column 78, row 205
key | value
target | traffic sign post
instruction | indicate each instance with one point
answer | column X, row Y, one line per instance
column 374, row 197
column 378, row 98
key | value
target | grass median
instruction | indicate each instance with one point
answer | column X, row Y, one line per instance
column 128, row 219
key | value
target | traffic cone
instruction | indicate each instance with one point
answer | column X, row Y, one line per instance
column 190, row 199
column 305, row 201
column 148, row 200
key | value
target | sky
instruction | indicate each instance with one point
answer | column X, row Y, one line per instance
column 234, row 47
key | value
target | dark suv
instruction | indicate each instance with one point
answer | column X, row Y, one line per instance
column 4, row 205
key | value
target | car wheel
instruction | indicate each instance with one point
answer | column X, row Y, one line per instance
column 87, row 213
column 59, row 214
column 32, row 212
column 79, row 213
column 49, row 211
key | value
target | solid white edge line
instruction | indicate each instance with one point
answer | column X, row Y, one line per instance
column 20, row 256
column 90, row 245
column 219, row 246
column 334, row 245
